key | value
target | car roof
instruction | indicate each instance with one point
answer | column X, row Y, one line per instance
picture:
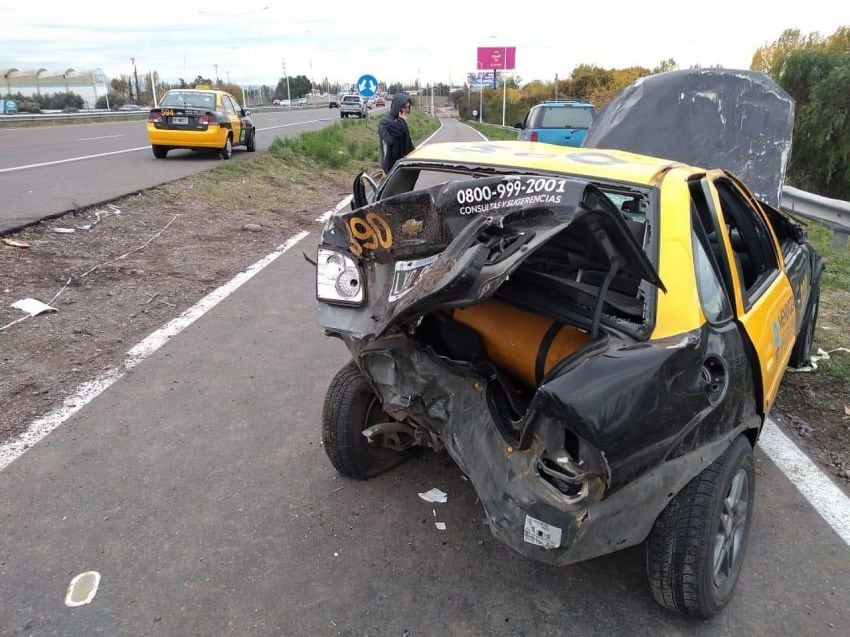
column 617, row 165
column 572, row 103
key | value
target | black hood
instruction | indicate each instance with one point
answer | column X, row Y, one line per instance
column 399, row 100
column 740, row 121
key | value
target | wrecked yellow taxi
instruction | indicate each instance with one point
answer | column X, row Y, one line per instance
column 595, row 336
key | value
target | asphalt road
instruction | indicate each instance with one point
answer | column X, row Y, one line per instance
column 48, row 170
column 198, row 488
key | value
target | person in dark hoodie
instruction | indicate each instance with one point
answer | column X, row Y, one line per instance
column 393, row 134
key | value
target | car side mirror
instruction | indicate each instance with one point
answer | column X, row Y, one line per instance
column 245, row 113
column 518, row 125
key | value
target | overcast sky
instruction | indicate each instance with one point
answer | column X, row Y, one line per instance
column 395, row 41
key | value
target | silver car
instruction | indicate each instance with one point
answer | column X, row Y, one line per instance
column 353, row 106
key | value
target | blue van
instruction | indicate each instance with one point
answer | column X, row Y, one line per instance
column 557, row 122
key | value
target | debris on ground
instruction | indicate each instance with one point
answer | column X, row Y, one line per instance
column 434, row 495
column 16, row 243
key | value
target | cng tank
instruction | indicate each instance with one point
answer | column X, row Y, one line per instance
column 523, row 344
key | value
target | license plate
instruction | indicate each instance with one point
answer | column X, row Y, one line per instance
column 180, row 120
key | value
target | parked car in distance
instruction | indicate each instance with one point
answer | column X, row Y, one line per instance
column 379, row 102
column 200, row 120
column 333, row 101
column 130, row 107
column 353, row 106
column 557, row 122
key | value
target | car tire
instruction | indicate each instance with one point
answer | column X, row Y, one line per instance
column 227, row 151
column 350, row 407
column 251, row 146
column 696, row 547
column 802, row 351
column 159, row 152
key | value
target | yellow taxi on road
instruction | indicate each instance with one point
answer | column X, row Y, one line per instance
column 200, row 119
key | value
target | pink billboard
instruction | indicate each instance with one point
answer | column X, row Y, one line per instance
column 496, row 57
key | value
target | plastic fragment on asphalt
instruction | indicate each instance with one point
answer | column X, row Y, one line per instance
column 63, row 230
column 434, row 495
column 33, row 307
column 441, row 526
column 82, row 589
column 16, row 243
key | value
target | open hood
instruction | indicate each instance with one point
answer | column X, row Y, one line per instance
column 740, row 121
column 455, row 244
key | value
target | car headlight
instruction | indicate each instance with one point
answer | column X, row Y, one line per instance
column 338, row 279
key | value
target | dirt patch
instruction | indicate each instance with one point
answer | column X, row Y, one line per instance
column 196, row 233
column 814, row 411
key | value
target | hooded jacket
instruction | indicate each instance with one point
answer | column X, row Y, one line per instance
column 393, row 134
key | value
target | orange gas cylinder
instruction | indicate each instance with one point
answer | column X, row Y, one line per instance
column 522, row 344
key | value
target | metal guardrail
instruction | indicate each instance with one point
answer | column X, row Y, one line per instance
column 48, row 117
column 832, row 212
column 140, row 114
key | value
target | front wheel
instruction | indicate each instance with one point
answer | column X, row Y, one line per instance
column 350, row 407
column 696, row 548
column 159, row 151
column 252, row 141
column 227, row 151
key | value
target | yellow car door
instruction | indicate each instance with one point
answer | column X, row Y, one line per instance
column 764, row 299
column 233, row 116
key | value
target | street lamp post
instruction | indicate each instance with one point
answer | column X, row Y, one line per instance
column 216, row 75
column 504, row 82
column 136, row 76
column 286, row 75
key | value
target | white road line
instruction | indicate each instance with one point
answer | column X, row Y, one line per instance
column 821, row 492
column 428, row 139
column 87, row 392
column 88, row 139
column 475, row 130
column 65, row 161
column 342, row 204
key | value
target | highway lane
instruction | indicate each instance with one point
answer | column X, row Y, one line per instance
column 198, row 488
column 48, row 170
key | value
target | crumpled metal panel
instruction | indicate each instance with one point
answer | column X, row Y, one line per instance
column 740, row 121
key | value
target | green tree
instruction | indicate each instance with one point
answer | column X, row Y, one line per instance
column 820, row 161
column 666, row 65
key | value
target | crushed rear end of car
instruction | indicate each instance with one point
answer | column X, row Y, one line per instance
column 505, row 319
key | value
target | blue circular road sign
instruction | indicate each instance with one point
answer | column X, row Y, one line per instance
column 367, row 85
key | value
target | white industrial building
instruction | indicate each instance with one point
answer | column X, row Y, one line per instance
column 89, row 84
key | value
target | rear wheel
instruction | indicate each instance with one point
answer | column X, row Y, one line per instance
column 159, row 151
column 803, row 345
column 350, row 407
column 252, row 141
column 696, row 548
column 227, row 151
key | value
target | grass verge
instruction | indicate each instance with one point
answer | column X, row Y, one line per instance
column 834, row 311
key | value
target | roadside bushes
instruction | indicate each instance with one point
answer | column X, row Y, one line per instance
column 65, row 102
